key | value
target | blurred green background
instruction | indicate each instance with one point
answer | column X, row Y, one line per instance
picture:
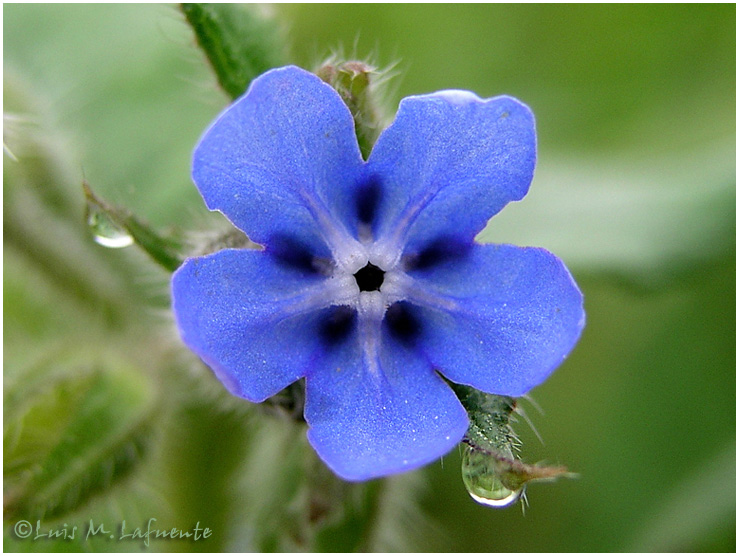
column 106, row 416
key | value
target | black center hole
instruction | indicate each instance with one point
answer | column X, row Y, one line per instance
column 369, row 278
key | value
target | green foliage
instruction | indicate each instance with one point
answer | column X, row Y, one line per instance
column 240, row 43
column 75, row 434
column 293, row 502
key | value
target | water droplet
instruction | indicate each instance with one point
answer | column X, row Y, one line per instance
column 482, row 482
column 105, row 231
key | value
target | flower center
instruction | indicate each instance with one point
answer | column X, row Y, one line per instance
column 369, row 278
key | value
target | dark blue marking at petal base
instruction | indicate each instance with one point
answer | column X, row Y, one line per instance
column 337, row 324
column 436, row 253
column 402, row 323
column 368, row 198
column 291, row 252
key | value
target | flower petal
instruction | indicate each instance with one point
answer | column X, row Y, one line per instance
column 282, row 161
column 447, row 164
column 499, row 318
column 253, row 319
column 380, row 415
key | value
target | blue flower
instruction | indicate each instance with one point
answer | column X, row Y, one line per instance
column 370, row 283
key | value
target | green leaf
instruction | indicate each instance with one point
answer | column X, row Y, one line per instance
column 240, row 43
column 73, row 433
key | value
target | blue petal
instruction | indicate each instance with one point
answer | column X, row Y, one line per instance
column 250, row 318
column 447, row 164
column 282, row 161
column 370, row 418
column 499, row 318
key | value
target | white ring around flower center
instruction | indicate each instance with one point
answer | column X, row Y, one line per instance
column 370, row 305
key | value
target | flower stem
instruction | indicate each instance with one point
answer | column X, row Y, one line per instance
column 167, row 251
